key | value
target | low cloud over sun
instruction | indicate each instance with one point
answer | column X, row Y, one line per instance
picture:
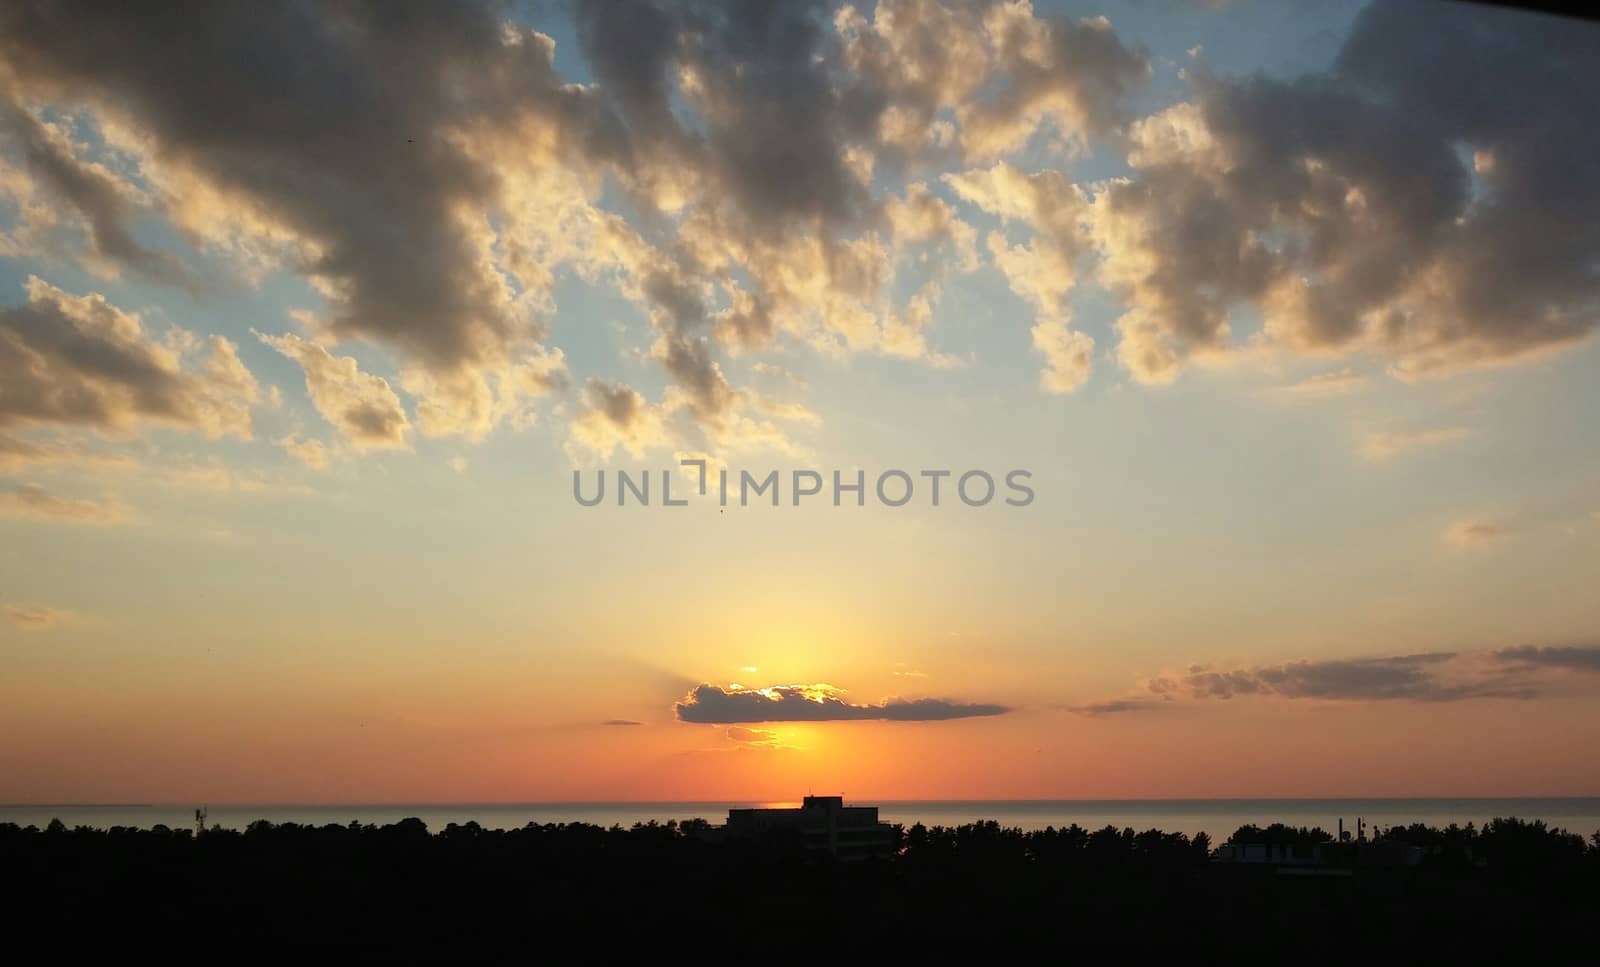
column 815, row 703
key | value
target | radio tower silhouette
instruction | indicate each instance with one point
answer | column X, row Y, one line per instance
column 200, row 821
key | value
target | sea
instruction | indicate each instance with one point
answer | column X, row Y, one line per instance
column 1218, row 818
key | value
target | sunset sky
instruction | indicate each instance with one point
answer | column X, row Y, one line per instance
column 309, row 312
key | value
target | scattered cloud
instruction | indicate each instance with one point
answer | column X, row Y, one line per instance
column 1336, row 383
column 622, row 722
column 1040, row 271
column 313, row 453
column 433, row 213
column 616, row 415
column 814, row 703
column 104, row 203
column 33, row 501
column 359, row 405
column 1115, row 706
column 1420, row 677
column 219, row 478
column 17, row 452
column 777, row 373
column 739, row 733
column 33, row 618
column 1573, row 657
column 1523, row 672
column 753, row 147
column 1470, row 532
column 410, row 135
column 1381, row 446
column 1340, row 207
column 81, row 361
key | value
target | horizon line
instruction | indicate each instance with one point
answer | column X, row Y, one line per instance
column 869, row 800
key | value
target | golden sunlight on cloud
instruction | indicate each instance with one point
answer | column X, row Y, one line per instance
column 1041, row 270
column 313, row 453
column 360, row 405
column 81, row 361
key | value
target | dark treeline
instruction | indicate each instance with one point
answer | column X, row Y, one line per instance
column 947, row 892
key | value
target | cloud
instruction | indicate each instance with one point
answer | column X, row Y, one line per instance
column 739, row 733
column 981, row 79
column 1333, row 383
column 1410, row 677
column 359, row 405
column 18, row 452
column 777, row 373
column 430, row 174
column 473, row 404
column 105, row 203
column 1068, row 76
column 921, row 217
column 313, row 453
column 32, row 501
column 218, row 478
column 1424, row 677
column 1347, row 209
column 616, row 415
column 1381, row 446
column 814, row 703
column 1469, row 532
column 1571, row 657
column 1523, row 672
column 1040, row 271
column 366, row 149
column 620, row 722
column 1113, row 707
column 81, row 361
column 31, row 618
column 756, row 132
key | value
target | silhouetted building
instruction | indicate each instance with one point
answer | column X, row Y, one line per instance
column 1327, row 859
column 825, row 824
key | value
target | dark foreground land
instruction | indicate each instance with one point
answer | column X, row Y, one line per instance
column 580, row 893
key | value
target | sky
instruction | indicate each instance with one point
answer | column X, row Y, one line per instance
column 312, row 318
